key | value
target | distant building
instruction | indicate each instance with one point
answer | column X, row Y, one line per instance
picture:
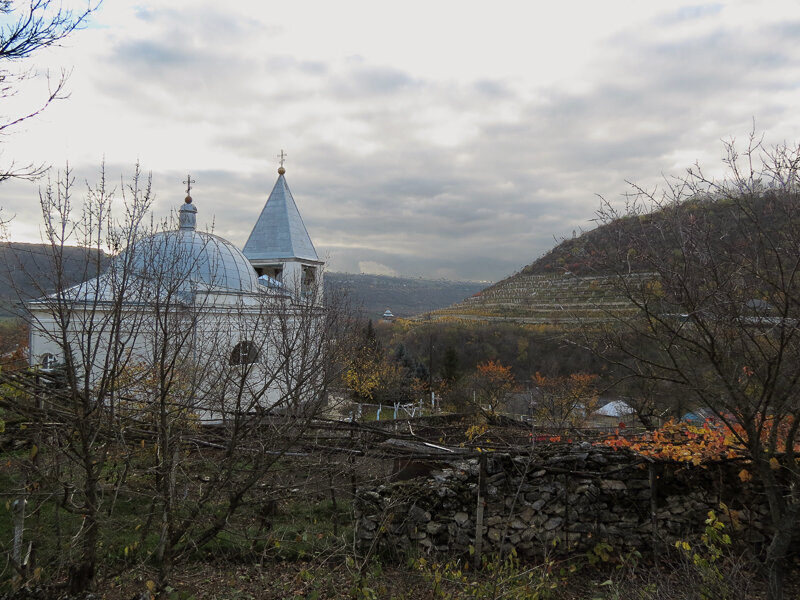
column 387, row 315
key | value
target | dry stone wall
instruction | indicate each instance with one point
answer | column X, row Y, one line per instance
column 563, row 499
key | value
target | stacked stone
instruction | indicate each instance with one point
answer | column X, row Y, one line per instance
column 567, row 502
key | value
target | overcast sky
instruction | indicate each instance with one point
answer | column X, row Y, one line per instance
column 436, row 139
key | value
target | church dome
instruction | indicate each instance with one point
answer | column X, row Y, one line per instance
column 194, row 258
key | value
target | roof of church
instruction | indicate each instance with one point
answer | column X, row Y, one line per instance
column 279, row 232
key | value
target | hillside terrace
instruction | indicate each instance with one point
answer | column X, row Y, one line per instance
column 547, row 299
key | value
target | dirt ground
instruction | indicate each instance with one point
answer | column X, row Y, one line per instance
column 332, row 580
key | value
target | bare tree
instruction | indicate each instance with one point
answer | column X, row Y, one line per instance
column 85, row 329
column 717, row 316
column 170, row 375
column 255, row 373
column 37, row 25
column 564, row 402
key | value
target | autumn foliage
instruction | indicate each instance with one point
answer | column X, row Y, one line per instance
column 13, row 344
column 709, row 442
column 682, row 442
column 493, row 382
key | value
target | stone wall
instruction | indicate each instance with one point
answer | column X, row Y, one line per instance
column 579, row 495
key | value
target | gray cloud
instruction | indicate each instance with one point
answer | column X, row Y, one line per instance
column 493, row 89
column 689, row 13
column 369, row 80
column 460, row 179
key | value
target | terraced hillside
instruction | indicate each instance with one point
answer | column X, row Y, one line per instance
column 578, row 278
column 545, row 299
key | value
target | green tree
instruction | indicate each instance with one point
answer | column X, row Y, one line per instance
column 450, row 371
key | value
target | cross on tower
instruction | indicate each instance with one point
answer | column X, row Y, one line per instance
column 189, row 181
column 282, row 156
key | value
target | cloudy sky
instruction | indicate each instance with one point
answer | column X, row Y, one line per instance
column 452, row 139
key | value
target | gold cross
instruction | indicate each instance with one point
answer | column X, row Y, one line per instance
column 189, row 181
column 282, row 156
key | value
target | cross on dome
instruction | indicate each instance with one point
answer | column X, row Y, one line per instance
column 187, row 215
column 189, row 181
column 282, row 156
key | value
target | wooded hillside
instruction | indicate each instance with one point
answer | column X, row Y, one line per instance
column 577, row 281
column 26, row 271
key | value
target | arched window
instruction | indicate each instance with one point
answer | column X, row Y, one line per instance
column 48, row 361
column 244, row 353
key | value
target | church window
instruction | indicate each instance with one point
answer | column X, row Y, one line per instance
column 48, row 361
column 244, row 353
column 273, row 271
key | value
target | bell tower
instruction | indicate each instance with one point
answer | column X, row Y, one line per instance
column 279, row 247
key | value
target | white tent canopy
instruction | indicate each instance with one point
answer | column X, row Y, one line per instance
column 616, row 408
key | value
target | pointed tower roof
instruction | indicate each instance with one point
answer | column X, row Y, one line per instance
column 280, row 232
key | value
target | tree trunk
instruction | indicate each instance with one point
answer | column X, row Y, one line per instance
column 776, row 561
column 784, row 515
column 82, row 575
column 169, row 467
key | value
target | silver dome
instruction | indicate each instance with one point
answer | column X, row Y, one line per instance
column 191, row 257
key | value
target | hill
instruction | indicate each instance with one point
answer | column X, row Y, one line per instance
column 568, row 284
column 578, row 279
column 373, row 294
column 26, row 271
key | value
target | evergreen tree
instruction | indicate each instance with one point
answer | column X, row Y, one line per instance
column 450, row 366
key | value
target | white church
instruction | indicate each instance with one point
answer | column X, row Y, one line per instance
column 238, row 330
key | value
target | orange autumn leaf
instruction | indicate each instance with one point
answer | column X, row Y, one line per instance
column 682, row 442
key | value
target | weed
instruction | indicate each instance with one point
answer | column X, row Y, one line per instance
column 500, row 577
column 707, row 559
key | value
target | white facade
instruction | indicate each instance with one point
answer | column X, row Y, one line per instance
column 187, row 310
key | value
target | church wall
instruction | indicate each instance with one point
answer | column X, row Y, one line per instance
column 204, row 338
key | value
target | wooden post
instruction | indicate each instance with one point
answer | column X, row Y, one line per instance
column 18, row 507
column 334, row 505
column 479, row 513
column 653, row 508
column 352, row 461
column 566, row 508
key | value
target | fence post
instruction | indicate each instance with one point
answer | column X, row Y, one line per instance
column 479, row 512
column 18, row 508
column 566, row 506
column 653, row 476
